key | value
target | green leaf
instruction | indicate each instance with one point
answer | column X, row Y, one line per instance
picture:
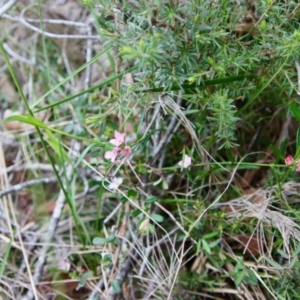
column 165, row 185
column 132, row 194
column 206, row 247
column 140, row 221
column 117, row 241
column 238, row 278
column 274, row 264
column 136, row 212
column 55, row 144
column 115, row 284
column 87, row 275
column 251, row 278
column 297, row 251
column 84, row 152
column 157, row 218
column 277, row 152
column 214, row 243
column 210, row 235
column 26, row 119
column 198, row 248
column 100, row 241
column 5, row 257
column 298, row 139
column 295, row 111
column 283, row 254
column 229, row 155
column 292, row 262
column 124, row 199
column 151, row 200
column 283, row 147
column 151, row 228
column 190, row 177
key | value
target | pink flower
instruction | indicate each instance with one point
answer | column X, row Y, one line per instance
column 112, row 155
column 64, row 265
column 119, row 138
column 126, row 151
column 186, row 162
column 117, row 142
column 289, row 160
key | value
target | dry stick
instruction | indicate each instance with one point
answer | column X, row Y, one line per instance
column 157, row 132
column 292, row 14
column 23, row 185
column 154, row 117
column 23, row 265
column 7, row 6
column 23, row 20
column 149, row 249
column 123, row 272
column 58, row 36
column 89, row 50
column 16, row 56
column 127, row 265
column 46, row 21
column 34, row 166
column 167, row 137
column 52, row 227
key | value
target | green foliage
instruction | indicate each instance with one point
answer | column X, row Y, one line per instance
column 207, row 83
column 178, row 44
column 223, row 116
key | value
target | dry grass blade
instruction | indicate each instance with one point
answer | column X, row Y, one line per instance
column 258, row 205
column 169, row 106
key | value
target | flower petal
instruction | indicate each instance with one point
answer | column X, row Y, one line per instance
column 186, row 162
column 115, row 183
column 119, row 136
column 126, row 151
column 64, row 265
column 289, row 160
column 112, row 155
column 115, row 142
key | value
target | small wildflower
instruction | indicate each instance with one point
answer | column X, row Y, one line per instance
column 64, row 265
column 112, row 155
column 144, row 227
column 119, row 138
column 126, row 151
column 186, row 162
column 289, row 160
column 117, row 142
column 115, row 183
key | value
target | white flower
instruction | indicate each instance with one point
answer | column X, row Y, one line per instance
column 64, row 265
column 186, row 162
column 115, row 183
